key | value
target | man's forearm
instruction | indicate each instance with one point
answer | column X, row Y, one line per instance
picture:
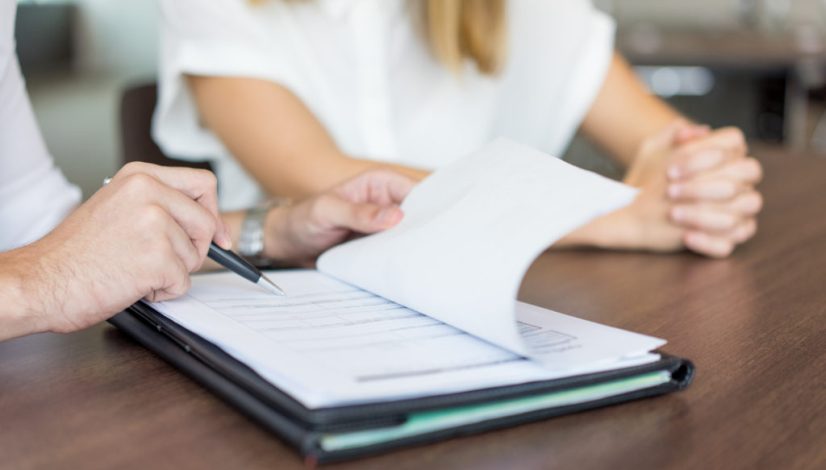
column 18, row 316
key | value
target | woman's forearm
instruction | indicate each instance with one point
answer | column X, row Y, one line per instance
column 275, row 137
column 625, row 114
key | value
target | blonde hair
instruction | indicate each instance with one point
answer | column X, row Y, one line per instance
column 460, row 30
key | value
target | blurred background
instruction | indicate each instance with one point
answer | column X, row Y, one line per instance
column 756, row 64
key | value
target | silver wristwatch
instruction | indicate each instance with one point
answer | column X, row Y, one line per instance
column 251, row 240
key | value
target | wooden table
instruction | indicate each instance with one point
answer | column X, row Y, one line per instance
column 755, row 325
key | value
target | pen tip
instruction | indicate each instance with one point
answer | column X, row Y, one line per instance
column 270, row 286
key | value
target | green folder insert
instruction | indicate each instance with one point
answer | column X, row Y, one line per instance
column 431, row 421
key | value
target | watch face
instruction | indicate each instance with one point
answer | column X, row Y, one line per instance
column 251, row 241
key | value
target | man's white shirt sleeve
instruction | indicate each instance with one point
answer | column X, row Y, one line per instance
column 34, row 195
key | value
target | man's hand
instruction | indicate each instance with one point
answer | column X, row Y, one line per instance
column 366, row 204
column 138, row 237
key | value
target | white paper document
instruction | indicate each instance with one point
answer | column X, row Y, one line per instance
column 469, row 234
column 427, row 307
column 329, row 343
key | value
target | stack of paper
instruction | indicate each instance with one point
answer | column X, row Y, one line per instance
column 428, row 307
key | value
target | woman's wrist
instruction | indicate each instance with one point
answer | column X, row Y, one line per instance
column 271, row 227
column 611, row 231
column 277, row 240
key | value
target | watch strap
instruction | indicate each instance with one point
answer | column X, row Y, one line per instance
column 251, row 239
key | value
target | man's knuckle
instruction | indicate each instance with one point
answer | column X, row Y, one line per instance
column 204, row 180
column 161, row 255
column 138, row 184
column 133, row 167
column 209, row 178
column 201, row 227
column 152, row 216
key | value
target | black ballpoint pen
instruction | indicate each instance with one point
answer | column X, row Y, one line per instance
column 236, row 264
column 240, row 266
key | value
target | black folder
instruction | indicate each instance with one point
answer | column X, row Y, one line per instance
column 305, row 429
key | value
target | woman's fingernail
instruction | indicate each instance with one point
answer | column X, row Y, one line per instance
column 674, row 172
column 674, row 191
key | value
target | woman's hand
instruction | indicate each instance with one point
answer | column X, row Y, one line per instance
column 696, row 191
column 366, row 204
column 644, row 224
column 712, row 191
column 702, row 181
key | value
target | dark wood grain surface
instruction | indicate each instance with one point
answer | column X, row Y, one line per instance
column 755, row 325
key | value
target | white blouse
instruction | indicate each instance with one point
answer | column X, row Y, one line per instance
column 34, row 194
column 363, row 69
